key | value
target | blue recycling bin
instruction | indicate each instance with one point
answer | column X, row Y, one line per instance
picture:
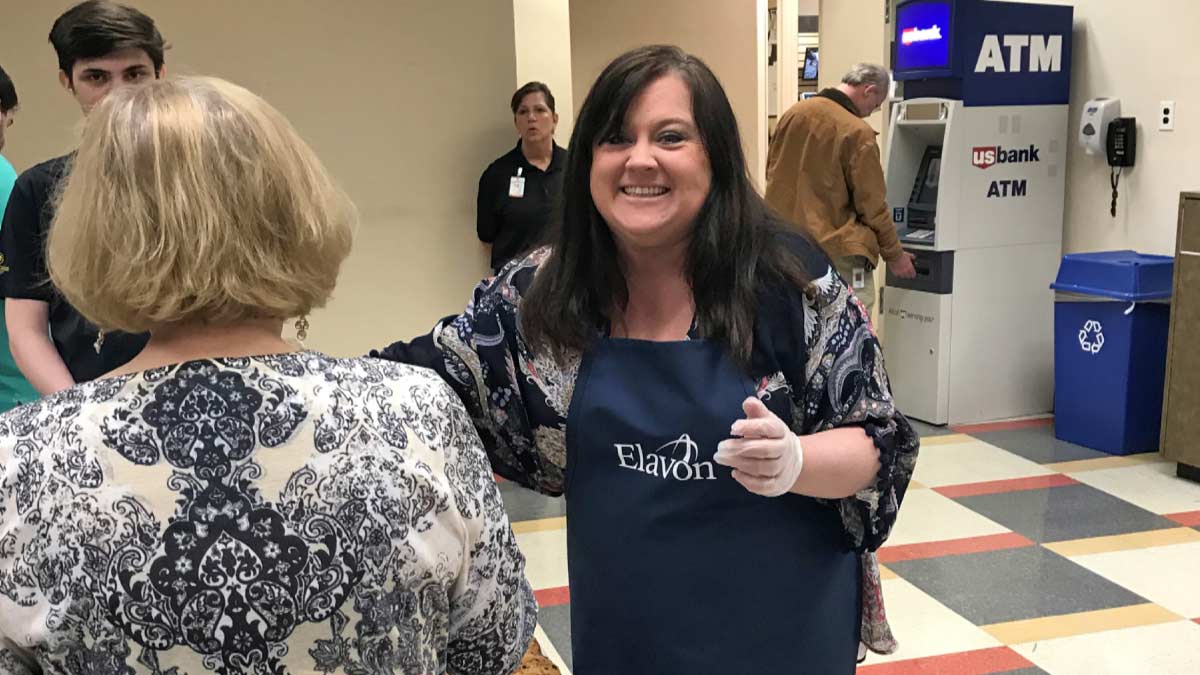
column 1110, row 349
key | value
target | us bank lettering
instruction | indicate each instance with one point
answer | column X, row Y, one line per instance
column 674, row 460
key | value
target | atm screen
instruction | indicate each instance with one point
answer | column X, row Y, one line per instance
column 922, row 204
column 923, row 29
column 925, row 189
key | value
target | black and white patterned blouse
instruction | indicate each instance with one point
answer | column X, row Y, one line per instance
column 282, row 514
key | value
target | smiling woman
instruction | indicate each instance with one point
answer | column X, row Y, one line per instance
column 650, row 178
column 700, row 384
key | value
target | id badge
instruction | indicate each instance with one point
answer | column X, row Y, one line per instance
column 859, row 278
column 516, row 186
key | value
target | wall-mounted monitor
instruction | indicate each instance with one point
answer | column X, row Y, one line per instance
column 811, row 58
column 923, row 38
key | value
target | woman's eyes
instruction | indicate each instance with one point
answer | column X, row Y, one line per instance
column 666, row 138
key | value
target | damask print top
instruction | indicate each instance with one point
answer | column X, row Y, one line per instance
column 817, row 363
column 280, row 514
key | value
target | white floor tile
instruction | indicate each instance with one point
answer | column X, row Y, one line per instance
column 971, row 461
column 1165, row 575
column 1162, row 649
column 928, row 516
column 1154, row 487
column 545, row 558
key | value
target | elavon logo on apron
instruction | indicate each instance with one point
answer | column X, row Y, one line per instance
column 664, row 463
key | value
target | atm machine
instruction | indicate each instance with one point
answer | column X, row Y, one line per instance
column 976, row 163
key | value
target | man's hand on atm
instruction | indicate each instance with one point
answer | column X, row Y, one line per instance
column 903, row 267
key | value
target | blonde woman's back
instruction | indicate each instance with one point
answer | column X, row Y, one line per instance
column 291, row 513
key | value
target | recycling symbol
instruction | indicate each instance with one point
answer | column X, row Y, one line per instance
column 1091, row 337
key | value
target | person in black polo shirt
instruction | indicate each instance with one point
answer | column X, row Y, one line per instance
column 101, row 45
column 518, row 191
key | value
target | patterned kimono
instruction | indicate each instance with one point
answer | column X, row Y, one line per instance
column 280, row 514
column 816, row 362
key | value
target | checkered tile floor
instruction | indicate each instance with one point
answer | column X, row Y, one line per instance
column 1014, row 553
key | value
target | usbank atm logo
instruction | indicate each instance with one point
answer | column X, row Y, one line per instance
column 986, row 156
column 915, row 34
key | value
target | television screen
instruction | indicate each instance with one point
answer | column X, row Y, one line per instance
column 923, row 35
column 810, row 63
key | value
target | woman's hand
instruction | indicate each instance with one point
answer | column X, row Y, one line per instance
column 766, row 457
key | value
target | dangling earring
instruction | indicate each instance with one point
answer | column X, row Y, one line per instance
column 99, row 340
column 302, row 330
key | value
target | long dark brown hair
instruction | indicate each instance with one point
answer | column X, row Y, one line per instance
column 736, row 244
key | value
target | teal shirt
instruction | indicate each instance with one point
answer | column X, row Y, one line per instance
column 14, row 389
column 8, row 177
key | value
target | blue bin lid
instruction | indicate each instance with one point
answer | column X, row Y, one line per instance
column 1119, row 275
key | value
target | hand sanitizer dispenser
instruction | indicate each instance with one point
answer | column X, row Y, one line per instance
column 1093, row 127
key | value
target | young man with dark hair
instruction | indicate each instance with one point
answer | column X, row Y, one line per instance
column 101, row 45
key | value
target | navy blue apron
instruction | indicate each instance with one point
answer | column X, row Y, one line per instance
column 674, row 566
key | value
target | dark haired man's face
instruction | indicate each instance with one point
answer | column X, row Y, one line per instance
column 92, row 79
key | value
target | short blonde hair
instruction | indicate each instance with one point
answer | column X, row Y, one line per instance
column 193, row 200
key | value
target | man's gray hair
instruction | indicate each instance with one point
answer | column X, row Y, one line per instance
column 868, row 73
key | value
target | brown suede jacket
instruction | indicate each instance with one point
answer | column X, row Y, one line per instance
column 824, row 174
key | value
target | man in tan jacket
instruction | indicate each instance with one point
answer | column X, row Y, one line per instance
column 824, row 174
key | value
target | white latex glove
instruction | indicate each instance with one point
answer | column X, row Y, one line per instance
column 764, row 454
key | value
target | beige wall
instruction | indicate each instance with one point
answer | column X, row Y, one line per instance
column 724, row 33
column 406, row 103
column 543, row 44
column 1142, row 57
column 851, row 32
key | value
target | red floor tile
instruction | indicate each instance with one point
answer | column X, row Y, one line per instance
column 552, row 597
column 1187, row 518
column 980, row 662
column 937, row 549
column 1011, row 485
column 1004, row 426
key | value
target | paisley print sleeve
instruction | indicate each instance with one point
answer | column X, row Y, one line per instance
column 493, row 613
column 21, row 474
column 847, row 386
column 12, row 664
column 517, row 402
